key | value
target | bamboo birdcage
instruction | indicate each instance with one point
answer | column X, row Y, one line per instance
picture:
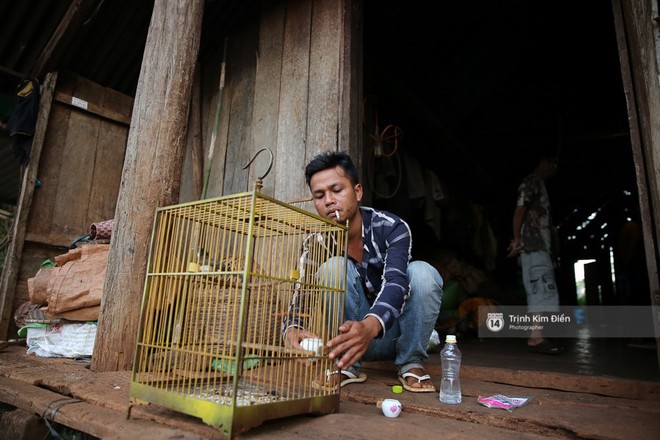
column 221, row 276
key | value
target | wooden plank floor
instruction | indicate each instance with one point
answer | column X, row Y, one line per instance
column 563, row 405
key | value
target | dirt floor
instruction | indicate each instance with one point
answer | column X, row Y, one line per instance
column 66, row 393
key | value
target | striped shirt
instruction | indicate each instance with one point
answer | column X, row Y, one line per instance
column 387, row 245
column 387, row 252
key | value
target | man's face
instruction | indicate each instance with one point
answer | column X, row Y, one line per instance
column 333, row 192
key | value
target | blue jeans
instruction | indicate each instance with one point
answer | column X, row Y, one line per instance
column 407, row 339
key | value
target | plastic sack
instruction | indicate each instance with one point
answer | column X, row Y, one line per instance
column 434, row 341
column 70, row 340
column 73, row 288
column 503, row 402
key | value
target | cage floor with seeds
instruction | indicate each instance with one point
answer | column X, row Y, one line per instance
column 221, row 280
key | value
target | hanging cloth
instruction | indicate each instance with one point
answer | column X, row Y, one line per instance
column 23, row 121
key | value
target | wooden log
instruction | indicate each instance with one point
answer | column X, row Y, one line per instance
column 152, row 172
column 22, row 425
column 80, row 415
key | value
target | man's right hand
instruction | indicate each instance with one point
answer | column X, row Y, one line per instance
column 294, row 335
column 353, row 341
column 514, row 247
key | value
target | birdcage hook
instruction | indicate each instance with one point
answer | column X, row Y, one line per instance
column 260, row 179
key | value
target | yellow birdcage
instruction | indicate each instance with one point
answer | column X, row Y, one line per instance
column 221, row 278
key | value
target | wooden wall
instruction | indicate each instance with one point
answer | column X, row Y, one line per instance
column 292, row 86
column 72, row 179
column 81, row 161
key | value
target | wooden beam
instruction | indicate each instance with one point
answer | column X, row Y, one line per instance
column 79, row 11
column 13, row 73
column 151, row 174
column 80, row 415
column 19, row 226
column 91, row 107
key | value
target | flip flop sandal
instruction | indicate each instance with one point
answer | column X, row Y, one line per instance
column 404, row 382
column 350, row 378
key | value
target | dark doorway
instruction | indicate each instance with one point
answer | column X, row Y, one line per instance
column 472, row 91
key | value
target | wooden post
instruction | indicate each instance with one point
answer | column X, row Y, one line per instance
column 638, row 39
column 18, row 230
column 151, row 173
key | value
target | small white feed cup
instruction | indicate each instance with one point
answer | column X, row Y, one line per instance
column 390, row 407
column 313, row 344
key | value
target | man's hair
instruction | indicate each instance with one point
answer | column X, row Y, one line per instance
column 331, row 159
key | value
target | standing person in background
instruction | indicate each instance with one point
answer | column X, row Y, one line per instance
column 533, row 235
column 391, row 304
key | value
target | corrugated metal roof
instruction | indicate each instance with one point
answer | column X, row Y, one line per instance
column 105, row 44
column 106, row 47
column 107, row 41
column 26, row 28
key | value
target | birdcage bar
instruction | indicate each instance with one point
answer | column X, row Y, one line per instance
column 221, row 276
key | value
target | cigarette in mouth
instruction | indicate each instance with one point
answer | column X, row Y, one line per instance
column 337, row 215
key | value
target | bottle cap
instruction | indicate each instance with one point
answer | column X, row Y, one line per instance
column 397, row 389
column 450, row 338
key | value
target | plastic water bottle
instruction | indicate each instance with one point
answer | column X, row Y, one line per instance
column 450, row 387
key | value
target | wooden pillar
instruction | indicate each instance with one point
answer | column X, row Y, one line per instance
column 151, row 173
column 638, row 38
column 18, row 230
